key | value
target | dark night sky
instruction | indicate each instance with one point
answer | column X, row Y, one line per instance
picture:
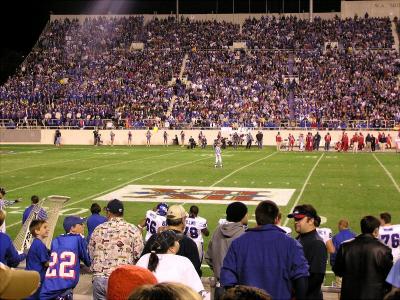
column 22, row 22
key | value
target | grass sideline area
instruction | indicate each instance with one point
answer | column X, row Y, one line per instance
column 337, row 184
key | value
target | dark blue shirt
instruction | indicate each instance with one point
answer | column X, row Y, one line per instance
column 63, row 272
column 42, row 215
column 265, row 257
column 93, row 221
column 338, row 239
column 8, row 254
column 38, row 256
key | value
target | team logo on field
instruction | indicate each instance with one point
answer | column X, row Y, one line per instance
column 198, row 194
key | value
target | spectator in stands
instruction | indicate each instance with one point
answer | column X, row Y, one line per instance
column 112, row 244
column 125, row 279
column 41, row 215
column 167, row 266
column 165, row 291
column 253, row 258
column 306, row 220
column 95, row 219
column 224, row 234
column 67, row 249
column 364, row 263
column 38, row 256
column 17, row 284
column 176, row 217
column 240, row 292
column 8, row 254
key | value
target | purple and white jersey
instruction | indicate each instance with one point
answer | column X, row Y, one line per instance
column 153, row 222
column 390, row 236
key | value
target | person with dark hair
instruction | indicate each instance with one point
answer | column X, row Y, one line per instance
column 176, row 218
column 389, row 234
column 306, row 221
column 266, row 258
column 240, row 292
column 167, row 266
column 38, row 256
column 224, row 234
column 164, row 291
column 112, row 244
column 42, row 215
column 95, row 219
column 3, row 204
column 364, row 263
column 195, row 228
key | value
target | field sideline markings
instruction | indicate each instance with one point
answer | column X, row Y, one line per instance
column 387, row 173
column 133, row 180
column 241, row 168
column 83, row 171
column 304, row 187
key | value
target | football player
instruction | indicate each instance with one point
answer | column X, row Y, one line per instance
column 155, row 219
column 390, row 234
column 195, row 228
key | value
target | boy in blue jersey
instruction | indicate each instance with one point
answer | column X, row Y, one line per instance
column 38, row 255
column 67, row 250
column 8, row 254
column 95, row 219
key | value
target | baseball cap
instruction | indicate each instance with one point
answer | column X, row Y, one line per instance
column 176, row 212
column 165, row 239
column 125, row 279
column 115, row 206
column 71, row 221
column 301, row 211
column 17, row 284
column 236, row 211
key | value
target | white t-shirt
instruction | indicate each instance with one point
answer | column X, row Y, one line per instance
column 174, row 268
column 325, row 233
column 153, row 222
column 390, row 236
column 288, row 230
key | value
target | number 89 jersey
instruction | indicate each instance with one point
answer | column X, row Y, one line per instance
column 390, row 236
column 153, row 222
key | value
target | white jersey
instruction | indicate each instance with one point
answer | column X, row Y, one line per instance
column 325, row 233
column 288, row 230
column 193, row 228
column 153, row 222
column 390, row 236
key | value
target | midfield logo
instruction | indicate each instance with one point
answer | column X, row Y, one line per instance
column 197, row 194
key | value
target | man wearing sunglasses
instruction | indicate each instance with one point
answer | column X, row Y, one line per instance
column 305, row 220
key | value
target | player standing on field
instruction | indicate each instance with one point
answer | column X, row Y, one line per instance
column 218, row 157
column 390, row 234
column 195, row 228
column 154, row 219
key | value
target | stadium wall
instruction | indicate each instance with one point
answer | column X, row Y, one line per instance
column 85, row 137
column 373, row 8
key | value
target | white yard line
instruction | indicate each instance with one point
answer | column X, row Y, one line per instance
column 133, row 180
column 387, row 173
column 304, row 187
column 83, row 171
column 241, row 168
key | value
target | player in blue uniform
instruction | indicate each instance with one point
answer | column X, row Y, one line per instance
column 38, row 255
column 67, row 250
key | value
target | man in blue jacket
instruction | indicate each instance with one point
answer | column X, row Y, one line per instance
column 265, row 257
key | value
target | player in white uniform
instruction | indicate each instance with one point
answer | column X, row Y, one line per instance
column 325, row 233
column 390, row 234
column 154, row 220
column 195, row 228
column 218, row 157
column 288, row 230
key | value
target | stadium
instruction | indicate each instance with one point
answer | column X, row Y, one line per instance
column 165, row 123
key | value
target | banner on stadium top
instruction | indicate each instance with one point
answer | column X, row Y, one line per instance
column 198, row 194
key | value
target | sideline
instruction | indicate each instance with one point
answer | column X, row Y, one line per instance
column 387, row 173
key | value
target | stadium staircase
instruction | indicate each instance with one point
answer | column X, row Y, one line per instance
column 182, row 71
column 395, row 36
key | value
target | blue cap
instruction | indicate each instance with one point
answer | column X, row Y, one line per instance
column 71, row 221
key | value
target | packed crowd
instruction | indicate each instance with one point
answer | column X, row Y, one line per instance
column 81, row 73
column 124, row 265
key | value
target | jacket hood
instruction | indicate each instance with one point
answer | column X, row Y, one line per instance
column 229, row 230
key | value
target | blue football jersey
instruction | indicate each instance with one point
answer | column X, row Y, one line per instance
column 36, row 259
column 67, row 250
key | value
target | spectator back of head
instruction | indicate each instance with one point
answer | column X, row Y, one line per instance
column 266, row 212
column 236, row 211
column 369, row 224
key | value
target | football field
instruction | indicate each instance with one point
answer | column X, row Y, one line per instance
column 339, row 185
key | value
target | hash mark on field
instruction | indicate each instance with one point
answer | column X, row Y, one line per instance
column 12, row 176
column 359, row 184
column 252, row 182
column 323, row 184
column 201, row 181
column 184, row 180
column 287, row 183
column 119, row 179
column 103, row 179
column 341, row 184
column 387, row 173
column 378, row 185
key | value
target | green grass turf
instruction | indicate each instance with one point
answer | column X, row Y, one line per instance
column 343, row 185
